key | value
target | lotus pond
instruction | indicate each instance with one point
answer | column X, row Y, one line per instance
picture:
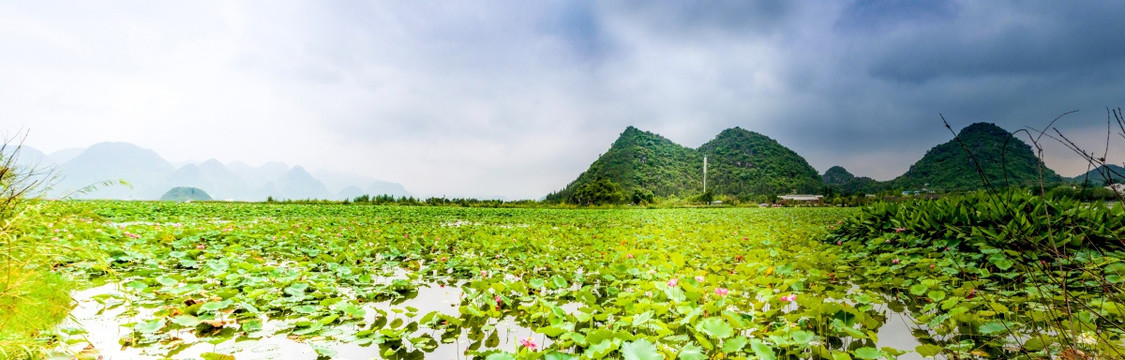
column 257, row 281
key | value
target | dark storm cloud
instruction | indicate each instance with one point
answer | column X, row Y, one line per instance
column 897, row 65
column 691, row 18
column 1048, row 39
column 877, row 16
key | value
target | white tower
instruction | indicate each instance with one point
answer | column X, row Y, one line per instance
column 704, row 174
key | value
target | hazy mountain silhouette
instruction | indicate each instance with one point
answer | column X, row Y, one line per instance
column 257, row 177
column 349, row 193
column 143, row 169
column 298, row 184
column 379, row 187
column 225, row 183
column 214, row 178
column 28, row 156
column 151, row 176
column 65, row 155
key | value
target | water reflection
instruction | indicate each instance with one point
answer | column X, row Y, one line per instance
column 102, row 311
column 98, row 320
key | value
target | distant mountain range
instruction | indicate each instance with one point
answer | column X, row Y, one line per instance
column 150, row 176
column 638, row 165
column 1101, row 175
column 743, row 163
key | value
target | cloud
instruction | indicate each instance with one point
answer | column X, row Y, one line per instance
column 994, row 38
column 516, row 98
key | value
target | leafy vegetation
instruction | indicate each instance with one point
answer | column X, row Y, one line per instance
column 619, row 283
column 978, row 276
column 999, row 276
column 32, row 298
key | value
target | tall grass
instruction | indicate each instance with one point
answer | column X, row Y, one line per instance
column 1078, row 272
column 33, row 299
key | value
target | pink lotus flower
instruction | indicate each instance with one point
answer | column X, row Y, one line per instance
column 699, row 279
column 673, row 282
column 529, row 343
column 629, row 256
column 200, row 246
column 931, row 266
column 895, row 261
column 499, row 301
column 789, row 298
column 721, row 291
column 898, row 230
column 839, row 243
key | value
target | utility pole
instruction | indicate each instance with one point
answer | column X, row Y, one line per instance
column 704, row 174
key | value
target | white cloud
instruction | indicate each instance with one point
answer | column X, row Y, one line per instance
column 517, row 98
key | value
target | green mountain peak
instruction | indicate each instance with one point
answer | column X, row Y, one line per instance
column 741, row 163
column 1004, row 159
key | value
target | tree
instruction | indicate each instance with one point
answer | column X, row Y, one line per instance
column 643, row 196
column 599, row 192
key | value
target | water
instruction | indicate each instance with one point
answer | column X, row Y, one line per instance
column 101, row 313
column 898, row 333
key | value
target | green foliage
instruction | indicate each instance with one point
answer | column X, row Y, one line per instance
column 317, row 273
column 643, row 196
column 981, row 269
column 837, row 175
column 741, row 163
column 1009, row 221
column 707, row 197
column 32, row 298
column 745, row 162
column 599, row 192
column 839, row 181
column 1073, row 192
column 642, row 160
column 1005, row 160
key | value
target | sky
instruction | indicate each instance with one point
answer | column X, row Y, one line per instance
column 517, row 98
